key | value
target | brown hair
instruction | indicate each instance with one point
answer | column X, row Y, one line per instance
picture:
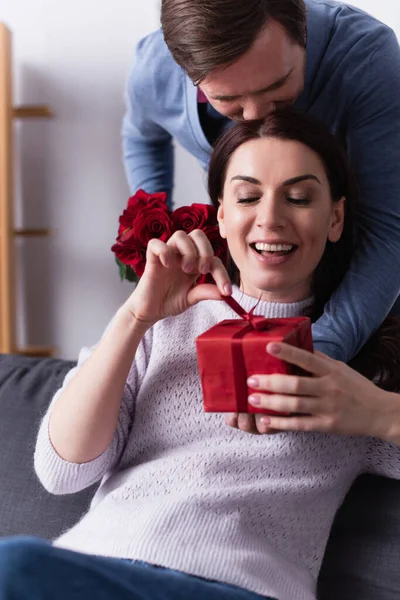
column 380, row 357
column 203, row 35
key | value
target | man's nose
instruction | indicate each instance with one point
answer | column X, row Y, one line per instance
column 253, row 109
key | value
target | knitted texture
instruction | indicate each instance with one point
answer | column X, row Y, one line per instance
column 183, row 490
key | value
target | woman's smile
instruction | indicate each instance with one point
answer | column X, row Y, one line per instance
column 277, row 214
column 273, row 253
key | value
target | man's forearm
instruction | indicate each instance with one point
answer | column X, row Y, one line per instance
column 148, row 165
column 361, row 303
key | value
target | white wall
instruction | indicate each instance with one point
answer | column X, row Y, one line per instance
column 75, row 56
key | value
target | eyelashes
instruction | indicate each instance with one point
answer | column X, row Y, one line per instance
column 247, row 200
column 299, row 201
column 295, row 201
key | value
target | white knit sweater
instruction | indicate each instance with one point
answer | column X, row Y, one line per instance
column 183, row 490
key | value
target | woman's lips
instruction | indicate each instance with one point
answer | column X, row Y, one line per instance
column 275, row 258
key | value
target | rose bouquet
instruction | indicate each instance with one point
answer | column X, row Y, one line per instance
column 148, row 216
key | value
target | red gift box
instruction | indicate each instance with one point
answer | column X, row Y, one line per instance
column 233, row 350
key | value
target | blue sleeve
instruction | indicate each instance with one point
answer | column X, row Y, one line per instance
column 147, row 147
column 372, row 283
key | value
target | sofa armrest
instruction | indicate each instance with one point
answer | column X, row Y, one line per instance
column 27, row 386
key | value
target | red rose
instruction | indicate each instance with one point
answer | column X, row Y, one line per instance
column 220, row 250
column 193, row 217
column 152, row 222
column 142, row 198
column 135, row 204
column 126, row 221
column 132, row 254
column 147, row 216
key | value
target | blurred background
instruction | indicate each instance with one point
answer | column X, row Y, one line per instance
column 75, row 57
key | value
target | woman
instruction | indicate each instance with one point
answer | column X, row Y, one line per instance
column 352, row 411
column 190, row 508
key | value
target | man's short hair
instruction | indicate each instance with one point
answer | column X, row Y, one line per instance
column 203, row 35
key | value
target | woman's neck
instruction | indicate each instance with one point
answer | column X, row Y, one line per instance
column 272, row 309
column 297, row 293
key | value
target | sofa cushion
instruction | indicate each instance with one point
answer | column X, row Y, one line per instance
column 26, row 388
column 363, row 553
column 362, row 559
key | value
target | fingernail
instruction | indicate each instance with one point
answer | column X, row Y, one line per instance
column 189, row 268
column 252, row 382
column 205, row 269
column 265, row 420
column 228, row 289
column 256, row 400
column 273, row 348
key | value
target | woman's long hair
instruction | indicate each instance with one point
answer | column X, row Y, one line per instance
column 380, row 357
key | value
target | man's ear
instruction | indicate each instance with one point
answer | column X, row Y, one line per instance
column 337, row 220
column 220, row 217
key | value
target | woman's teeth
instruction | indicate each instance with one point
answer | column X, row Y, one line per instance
column 262, row 247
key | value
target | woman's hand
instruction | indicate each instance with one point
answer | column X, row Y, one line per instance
column 166, row 287
column 335, row 399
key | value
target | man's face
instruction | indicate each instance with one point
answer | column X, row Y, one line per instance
column 270, row 75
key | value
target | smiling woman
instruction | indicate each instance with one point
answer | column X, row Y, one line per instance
column 276, row 205
column 285, row 180
column 285, row 196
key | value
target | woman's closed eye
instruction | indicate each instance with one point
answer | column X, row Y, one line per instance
column 295, row 200
column 248, row 200
column 299, row 201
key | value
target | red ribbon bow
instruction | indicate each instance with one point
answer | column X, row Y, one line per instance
column 258, row 323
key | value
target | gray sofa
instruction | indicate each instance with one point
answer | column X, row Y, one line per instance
column 362, row 560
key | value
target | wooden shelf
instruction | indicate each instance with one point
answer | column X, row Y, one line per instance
column 33, row 232
column 8, row 233
column 32, row 112
column 45, row 351
column 7, row 284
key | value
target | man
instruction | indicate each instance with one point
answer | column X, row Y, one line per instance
column 217, row 60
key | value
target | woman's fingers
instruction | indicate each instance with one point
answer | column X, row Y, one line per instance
column 300, row 396
column 313, row 363
column 279, row 383
column 249, row 423
column 208, row 263
column 194, row 251
column 204, row 249
column 193, row 254
column 336, row 400
column 243, row 421
column 157, row 251
column 285, row 404
column 231, row 419
column 310, row 423
column 221, row 277
column 263, row 425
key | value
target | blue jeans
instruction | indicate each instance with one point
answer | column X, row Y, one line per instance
column 32, row 569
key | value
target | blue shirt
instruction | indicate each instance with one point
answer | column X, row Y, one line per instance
column 353, row 85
